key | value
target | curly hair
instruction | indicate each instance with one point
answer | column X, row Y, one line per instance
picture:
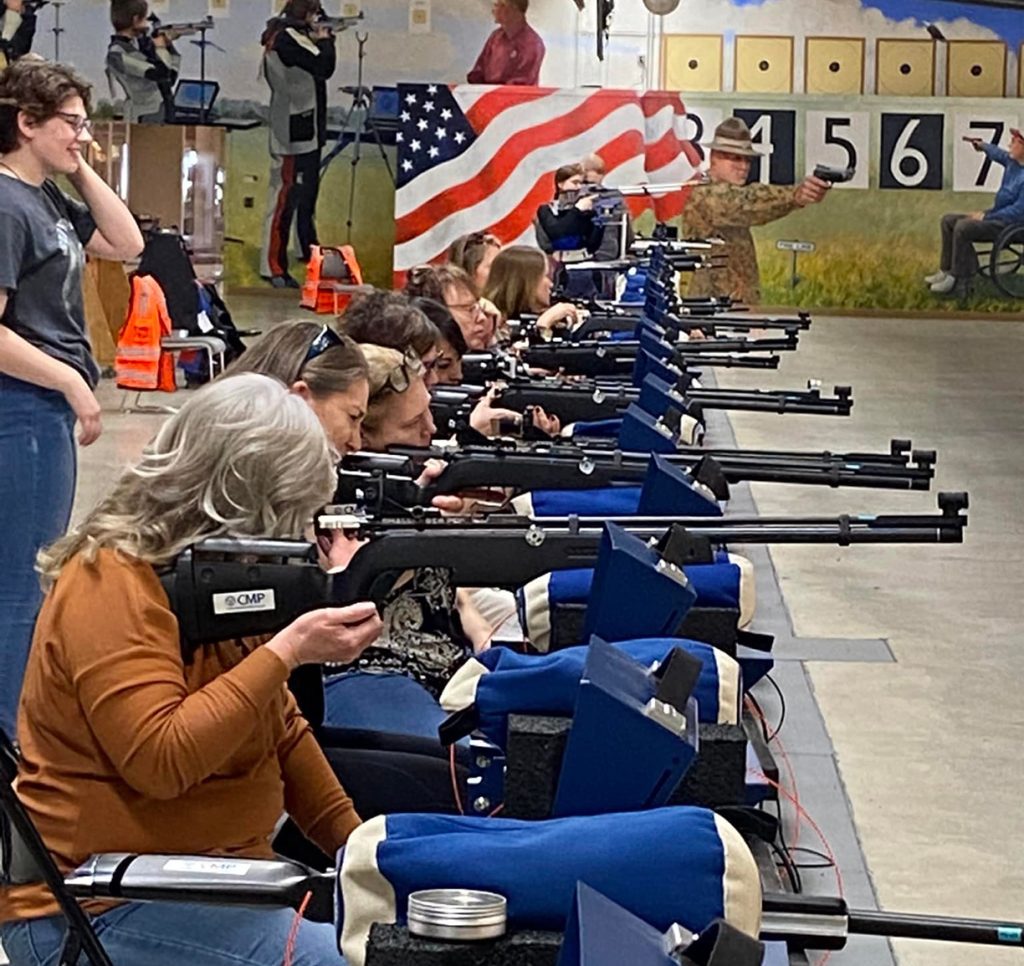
column 39, row 89
column 430, row 281
column 389, row 319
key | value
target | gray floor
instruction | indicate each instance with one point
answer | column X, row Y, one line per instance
column 910, row 652
column 927, row 747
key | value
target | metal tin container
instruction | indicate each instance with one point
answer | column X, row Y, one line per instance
column 459, row 915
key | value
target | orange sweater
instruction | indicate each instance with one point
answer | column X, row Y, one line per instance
column 128, row 749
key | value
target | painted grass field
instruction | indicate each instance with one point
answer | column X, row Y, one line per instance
column 873, row 249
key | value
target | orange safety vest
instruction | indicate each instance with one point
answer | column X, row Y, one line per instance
column 140, row 363
column 326, row 266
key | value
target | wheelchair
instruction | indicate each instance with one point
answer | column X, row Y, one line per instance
column 1003, row 262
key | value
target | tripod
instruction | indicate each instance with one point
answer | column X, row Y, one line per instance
column 202, row 43
column 56, row 29
column 361, row 101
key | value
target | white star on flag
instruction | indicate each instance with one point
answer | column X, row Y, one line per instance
column 405, row 115
column 441, row 133
column 410, row 98
column 433, row 152
column 459, row 137
column 415, row 145
column 446, row 115
column 407, row 166
column 422, row 124
column 432, row 89
column 399, row 137
column 428, row 106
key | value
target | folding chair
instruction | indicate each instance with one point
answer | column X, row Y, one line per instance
column 25, row 858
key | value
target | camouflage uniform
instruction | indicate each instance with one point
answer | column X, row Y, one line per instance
column 726, row 211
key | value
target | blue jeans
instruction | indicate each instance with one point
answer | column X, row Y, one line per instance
column 387, row 702
column 37, row 489
column 162, row 933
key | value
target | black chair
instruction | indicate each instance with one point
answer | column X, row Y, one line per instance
column 25, row 858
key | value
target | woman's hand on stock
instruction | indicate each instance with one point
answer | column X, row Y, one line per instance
column 546, row 423
column 330, row 634
column 562, row 312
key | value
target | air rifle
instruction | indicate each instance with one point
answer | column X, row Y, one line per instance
column 804, row 922
column 224, row 587
column 387, row 480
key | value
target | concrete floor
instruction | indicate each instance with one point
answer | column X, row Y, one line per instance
column 928, row 746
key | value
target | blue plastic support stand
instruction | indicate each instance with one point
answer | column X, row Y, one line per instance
column 668, row 491
column 601, row 933
column 628, row 573
column 643, row 433
column 627, row 750
column 647, row 365
column 658, row 348
column 657, row 395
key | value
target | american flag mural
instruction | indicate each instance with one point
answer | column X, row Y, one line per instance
column 479, row 158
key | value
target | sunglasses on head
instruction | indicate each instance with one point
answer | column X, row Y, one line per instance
column 400, row 378
column 325, row 339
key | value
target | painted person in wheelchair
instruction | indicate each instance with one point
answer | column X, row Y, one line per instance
column 959, row 261
column 131, row 742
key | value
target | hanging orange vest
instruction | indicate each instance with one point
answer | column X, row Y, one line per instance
column 140, row 363
column 328, row 273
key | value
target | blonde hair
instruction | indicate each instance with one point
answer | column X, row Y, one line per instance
column 381, row 363
column 243, row 457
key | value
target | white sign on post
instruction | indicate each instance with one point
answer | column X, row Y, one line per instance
column 972, row 170
column 840, row 139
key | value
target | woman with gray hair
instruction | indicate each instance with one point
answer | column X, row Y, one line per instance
column 130, row 743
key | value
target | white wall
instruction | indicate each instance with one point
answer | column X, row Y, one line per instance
column 459, row 28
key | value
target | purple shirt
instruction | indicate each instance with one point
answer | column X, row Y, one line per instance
column 510, row 58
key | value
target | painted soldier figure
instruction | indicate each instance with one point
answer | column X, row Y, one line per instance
column 726, row 207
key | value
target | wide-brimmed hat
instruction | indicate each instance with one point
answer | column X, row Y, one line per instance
column 732, row 136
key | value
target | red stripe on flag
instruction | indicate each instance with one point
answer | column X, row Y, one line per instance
column 458, row 197
column 654, row 101
column 663, row 152
column 491, row 104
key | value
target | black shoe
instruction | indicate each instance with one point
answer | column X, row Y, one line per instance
column 284, row 281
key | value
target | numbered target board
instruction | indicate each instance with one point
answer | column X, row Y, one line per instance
column 911, row 151
column 840, row 139
column 700, row 126
column 774, row 135
column 972, row 170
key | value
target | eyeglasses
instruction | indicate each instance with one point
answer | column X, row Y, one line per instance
column 400, row 378
column 78, row 122
column 325, row 339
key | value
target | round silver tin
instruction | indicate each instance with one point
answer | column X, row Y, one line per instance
column 459, row 915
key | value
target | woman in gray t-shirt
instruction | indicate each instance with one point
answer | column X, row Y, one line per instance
column 47, row 373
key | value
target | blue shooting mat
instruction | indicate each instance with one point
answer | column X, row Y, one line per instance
column 665, row 865
column 727, row 584
column 501, row 682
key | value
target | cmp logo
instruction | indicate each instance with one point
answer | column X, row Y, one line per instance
column 244, row 602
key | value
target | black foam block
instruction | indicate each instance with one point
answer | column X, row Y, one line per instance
column 536, row 746
column 533, row 762
column 718, row 774
column 391, row 945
